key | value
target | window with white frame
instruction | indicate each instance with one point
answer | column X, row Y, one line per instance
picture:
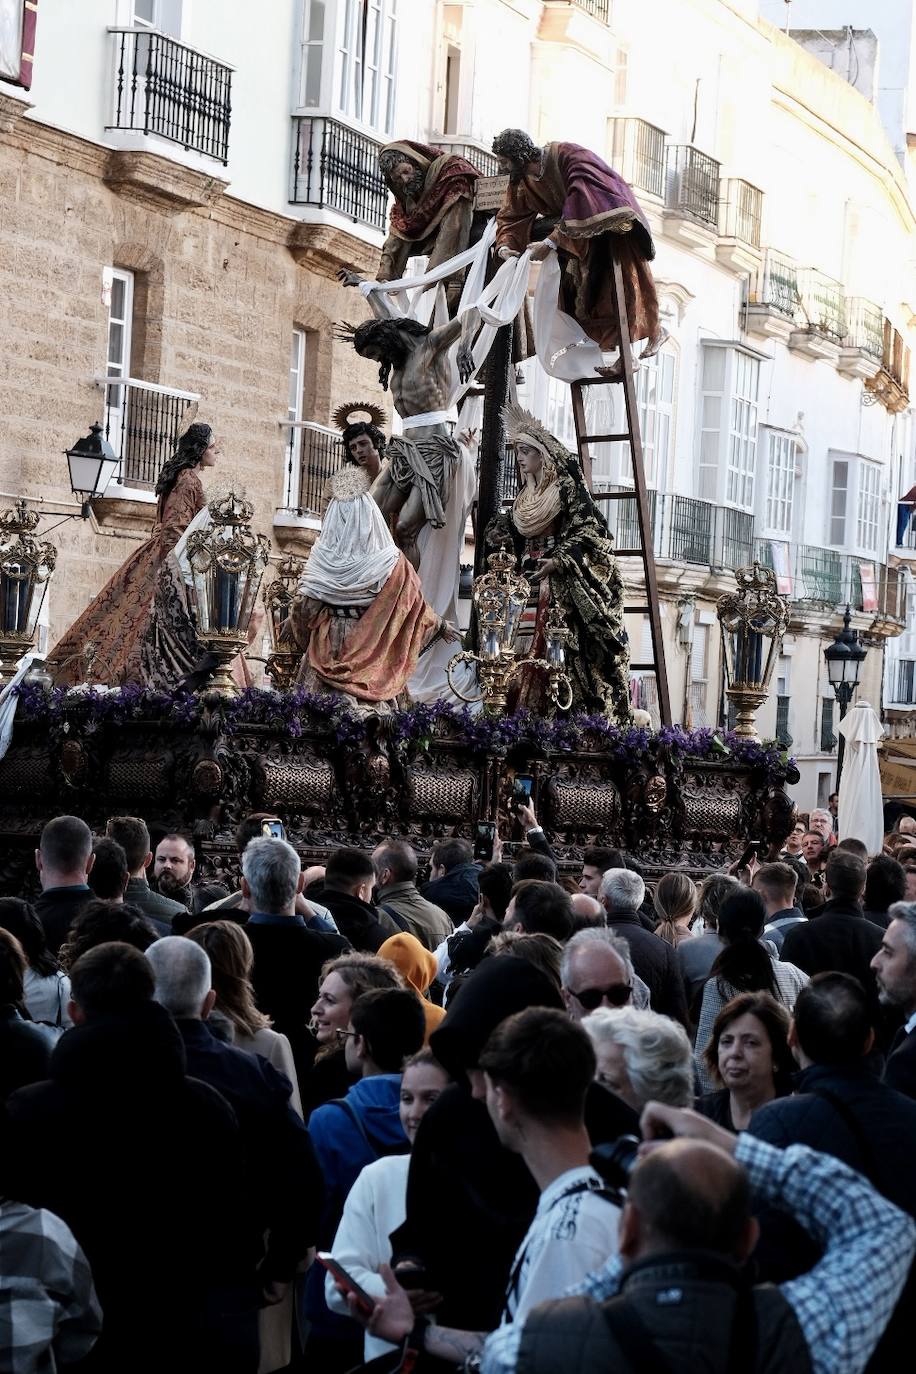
column 855, row 504
column 118, row 289
column 782, row 454
column 655, row 396
column 699, row 676
column 294, row 414
column 162, row 15
column 868, row 507
column 728, row 425
column 367, row 56
column 313, row 21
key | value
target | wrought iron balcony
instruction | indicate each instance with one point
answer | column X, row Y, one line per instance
column 822, row 305
column 598, row 9
column 638, row 154
column 693, row 185
column 891, row 383
column 336, row 168
column 775, row 286
column 741, row 211
column 142, row 422
column 705, row 533
column 864, row 327
column 484, row 161
column 165, row 88
column 313, row 454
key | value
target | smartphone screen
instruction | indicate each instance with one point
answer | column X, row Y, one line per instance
column 483, row 843
column 522, row 788
column 275, row 829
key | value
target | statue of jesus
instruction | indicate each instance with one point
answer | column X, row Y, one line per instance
column 414, row 486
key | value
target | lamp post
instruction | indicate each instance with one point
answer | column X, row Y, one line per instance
column 26, row 566
column 500, row 596
column 227, row 563
column 753, row 621
column 844, row 659
column 92, row 462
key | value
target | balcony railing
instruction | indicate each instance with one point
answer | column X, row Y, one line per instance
column 904, row 682
column 165, row 88
column 313, row 454
column 142, row 422
column 704, row 533
column 484, row 161
column 828, row 578
column 598, row 9
column 895, row 357
column 638, row 153
column 741, row 211
column 336, row 168
column 822, row 304
column 864, row 327
column 775, row 285
column 693, row 184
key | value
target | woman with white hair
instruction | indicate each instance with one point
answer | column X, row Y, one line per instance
column 641, row 1056
column 360, row 617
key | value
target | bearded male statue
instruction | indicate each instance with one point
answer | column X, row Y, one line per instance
column 596, row 219
column 433, row 208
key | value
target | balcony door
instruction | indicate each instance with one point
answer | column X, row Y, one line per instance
column 118, row 286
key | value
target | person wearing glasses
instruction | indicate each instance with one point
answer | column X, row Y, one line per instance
column 597, row 971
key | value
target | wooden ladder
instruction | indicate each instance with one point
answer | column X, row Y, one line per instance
column 631, row 435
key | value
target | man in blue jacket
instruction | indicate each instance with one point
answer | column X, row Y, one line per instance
column 386, row 1026
column 841, row 1108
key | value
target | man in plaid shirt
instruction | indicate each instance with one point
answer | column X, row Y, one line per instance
column 841, row 1306
column 49, row 1315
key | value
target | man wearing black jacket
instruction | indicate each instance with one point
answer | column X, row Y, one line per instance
column 285, row 1191
column 622, row 893
column 142, row 1163
column 459, row 1169
column 347, row 893
column 840, row 1108
column 895, row 969
column 837, row 937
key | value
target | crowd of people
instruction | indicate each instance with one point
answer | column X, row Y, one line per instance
column 504, row 1119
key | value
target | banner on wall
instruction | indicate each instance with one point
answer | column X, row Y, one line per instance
column 869, row 586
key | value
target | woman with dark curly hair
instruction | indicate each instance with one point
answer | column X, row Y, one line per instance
column 101, row 923
column 123, row 635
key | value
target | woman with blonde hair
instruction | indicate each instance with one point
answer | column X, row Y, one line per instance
column 231, row 960
column 343, row 980
column 675, row 902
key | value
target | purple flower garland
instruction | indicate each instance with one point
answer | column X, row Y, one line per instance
column 298, row 711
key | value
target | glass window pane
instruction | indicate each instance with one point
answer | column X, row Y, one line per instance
column 714, row 360
column 316, row 21
column 116, row 344
column 118, row 288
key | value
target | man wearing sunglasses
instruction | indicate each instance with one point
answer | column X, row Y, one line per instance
column 596, row 971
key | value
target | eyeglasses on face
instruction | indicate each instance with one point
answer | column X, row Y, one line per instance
column 343, row 1034
column 618, row 994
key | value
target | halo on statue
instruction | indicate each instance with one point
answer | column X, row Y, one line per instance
column 358, row 412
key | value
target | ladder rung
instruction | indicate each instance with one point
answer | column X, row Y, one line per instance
column 645, row 667
column 614, row 495
column 628, row 553
column 636, row 610
column 626, row 437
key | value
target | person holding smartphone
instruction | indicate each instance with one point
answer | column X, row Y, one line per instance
column 377, row 1204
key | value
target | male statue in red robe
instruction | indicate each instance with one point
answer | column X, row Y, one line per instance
column 596, row 219
column 432, row 211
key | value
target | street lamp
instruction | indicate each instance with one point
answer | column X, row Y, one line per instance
column 844, row 659
column 753, row 621
column 26, row 565
column 92, row 463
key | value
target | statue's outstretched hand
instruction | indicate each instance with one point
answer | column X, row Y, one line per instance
column 450, row 633
column 348, row 278
column 466, row 364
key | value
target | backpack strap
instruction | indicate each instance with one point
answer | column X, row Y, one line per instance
column 854, row 1127
column 398, row 920
column 584, row 1186
column 347, row 1107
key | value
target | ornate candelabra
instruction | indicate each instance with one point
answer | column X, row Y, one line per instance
column 283, row 663
column 26, row 565
column 500, row 596
column 753, row 621
column 227, row 563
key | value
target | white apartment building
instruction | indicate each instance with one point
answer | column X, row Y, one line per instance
column 777, row 419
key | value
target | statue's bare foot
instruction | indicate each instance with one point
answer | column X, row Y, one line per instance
column 655, row 344
column 614, row 373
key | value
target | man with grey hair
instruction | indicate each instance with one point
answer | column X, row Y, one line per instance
column 622, row 892
column 821, row 822
column 282, row 1195
column 587, row 911
column 596, row 971
column 895, row 972
column 288, row 955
